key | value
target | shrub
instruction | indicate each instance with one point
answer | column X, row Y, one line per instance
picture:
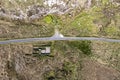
column 84, row 46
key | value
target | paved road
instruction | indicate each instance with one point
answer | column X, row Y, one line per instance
column 57, row 38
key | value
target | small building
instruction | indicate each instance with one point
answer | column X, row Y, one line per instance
column 44, row 49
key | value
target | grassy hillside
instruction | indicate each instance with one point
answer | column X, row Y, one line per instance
column 69, row 60
column 99, row 21
column 15, row 30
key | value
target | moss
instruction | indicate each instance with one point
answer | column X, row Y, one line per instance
column 48, row 19
column 52, row 20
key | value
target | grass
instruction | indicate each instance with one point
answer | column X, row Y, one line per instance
column 28, row 30
column 67, row 72
column 65, row 65
column 84, row 46
column 81, row 24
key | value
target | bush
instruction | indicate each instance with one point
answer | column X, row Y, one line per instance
column 84, row 46
column 50, row 75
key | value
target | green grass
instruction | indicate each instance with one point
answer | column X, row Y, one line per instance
column 84, row 46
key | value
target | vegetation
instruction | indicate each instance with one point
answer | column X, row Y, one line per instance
column 97, row 21
column 68, row 60
column 67, row 72
column 84, row 46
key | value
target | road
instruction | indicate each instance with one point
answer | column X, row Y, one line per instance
column 56, row 39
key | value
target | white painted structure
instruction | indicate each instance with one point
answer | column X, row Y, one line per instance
column 52, row 2
column 46, row 50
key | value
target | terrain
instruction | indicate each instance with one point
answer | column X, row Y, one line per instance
column 68, row 60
